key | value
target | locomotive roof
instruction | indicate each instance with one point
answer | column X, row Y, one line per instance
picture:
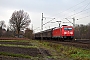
column 66, row 26
column 61, row 27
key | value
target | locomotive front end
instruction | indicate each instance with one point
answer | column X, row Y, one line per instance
column 68, row 32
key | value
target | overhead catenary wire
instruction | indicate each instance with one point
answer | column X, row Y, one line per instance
column 84, row 9
column 36, row 28
column 78, row 12
column 84, row 17
column 70, row 7
column 87, row 15
column 49, row 21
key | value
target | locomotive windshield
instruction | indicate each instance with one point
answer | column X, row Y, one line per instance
column 67, row 28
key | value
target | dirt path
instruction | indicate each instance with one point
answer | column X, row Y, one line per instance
column 17, row 50
column 12, row 58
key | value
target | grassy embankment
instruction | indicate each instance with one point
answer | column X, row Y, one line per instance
column 62, row 51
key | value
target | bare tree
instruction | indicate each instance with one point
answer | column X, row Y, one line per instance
column 19, row 20
column 2, row 25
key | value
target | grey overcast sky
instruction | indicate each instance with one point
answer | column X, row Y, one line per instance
column 58, row 9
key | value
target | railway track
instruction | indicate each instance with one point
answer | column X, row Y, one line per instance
column 83, row 41
column 85, row 44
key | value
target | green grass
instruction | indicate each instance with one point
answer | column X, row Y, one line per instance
column 15, row 55
column 14, row 40
column 7, row 40
column 79, row 54
column 23, row 56
column 21, row 46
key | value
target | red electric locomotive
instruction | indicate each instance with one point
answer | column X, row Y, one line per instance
column 65, row 32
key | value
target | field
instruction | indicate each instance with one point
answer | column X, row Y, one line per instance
column 40, row 50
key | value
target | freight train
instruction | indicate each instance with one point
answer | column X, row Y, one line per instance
column 62, row 33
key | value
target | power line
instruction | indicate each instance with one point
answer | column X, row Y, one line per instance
column 81, row 10
column 84, row 17
column 36, row 28
column 71, row 7
column 78, row 12
column 81, row 14
column 76, row 5
column 78, row 8
column 49, row 21
column 86, row 6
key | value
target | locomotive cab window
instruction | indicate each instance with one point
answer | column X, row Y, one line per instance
column 67, row 28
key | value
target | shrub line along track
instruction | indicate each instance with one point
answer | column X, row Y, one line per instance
column 77, row 43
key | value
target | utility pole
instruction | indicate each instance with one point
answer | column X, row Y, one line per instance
column 73, row 22
column 42, row 27
column 42, row 22
column 59, row 22
column 32, row 26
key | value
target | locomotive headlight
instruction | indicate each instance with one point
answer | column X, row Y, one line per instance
column 65, row 32
column 71, row 32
